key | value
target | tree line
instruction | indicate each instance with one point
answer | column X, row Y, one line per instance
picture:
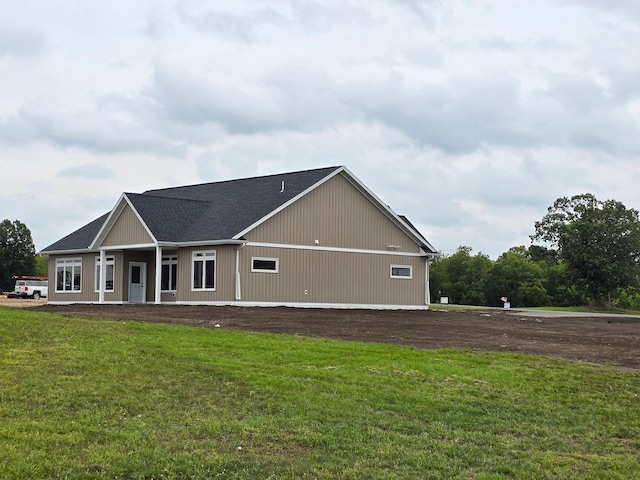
column 583, row 251
column 18, row 254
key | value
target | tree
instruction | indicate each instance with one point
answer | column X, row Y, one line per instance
column 461, row 277
column 42, row 265
column 17, row 252
column 515, row 276
column 599, row 241
column 559, row 286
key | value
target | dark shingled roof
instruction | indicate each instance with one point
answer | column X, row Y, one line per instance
column 221, row 210
column 205, row 212
column 425, row 244
column 80, row 239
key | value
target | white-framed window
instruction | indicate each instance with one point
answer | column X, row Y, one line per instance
column 169, row 273
column 110, row 264
column 266, row 265
column 204, row 270
column 402, row 271
column 68, row 275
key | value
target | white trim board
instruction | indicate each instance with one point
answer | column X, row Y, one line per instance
column 335, row 249
column 339, row 306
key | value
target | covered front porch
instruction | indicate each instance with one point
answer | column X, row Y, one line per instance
column 137, row 275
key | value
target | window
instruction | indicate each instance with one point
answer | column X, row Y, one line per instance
column 169, row 273
column 402, row 271
column 268, row 265
column 204, row 270
column 68, row 274
column 110, row 262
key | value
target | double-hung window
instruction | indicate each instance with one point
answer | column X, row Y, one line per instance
column 204, row 270
column 110, row 265
column 169, row 273
column 68, row 275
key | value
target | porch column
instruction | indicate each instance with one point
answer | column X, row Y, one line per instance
column 238, row 293
column 103, row 276
column 158, row 275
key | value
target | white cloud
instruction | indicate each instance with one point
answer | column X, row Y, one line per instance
column 88, row 171
column 20, row 43
column 468, row 117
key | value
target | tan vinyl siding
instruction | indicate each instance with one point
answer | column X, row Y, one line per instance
column 168, row 297
column 224, row 280
column 127, row 230
column 336, row 214
column 332, row 277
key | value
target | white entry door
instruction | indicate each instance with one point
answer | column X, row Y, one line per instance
column 137, row 282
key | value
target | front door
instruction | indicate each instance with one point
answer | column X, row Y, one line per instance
column 137, row 281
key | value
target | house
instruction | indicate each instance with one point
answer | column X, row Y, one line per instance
column 314, row 238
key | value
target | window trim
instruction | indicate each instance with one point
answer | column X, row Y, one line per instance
column 170, row 260
column 74, row 263
column 275, row 260
column 201, row 255
column 401, row 277
column 110, row 260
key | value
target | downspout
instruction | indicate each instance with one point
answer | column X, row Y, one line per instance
column 427, row 292
column 103, row 276
column 158, row 299
column 238, row 286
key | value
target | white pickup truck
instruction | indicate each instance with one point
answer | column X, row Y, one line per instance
column 30, row 287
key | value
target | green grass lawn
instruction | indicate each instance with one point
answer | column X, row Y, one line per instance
column 104, row 399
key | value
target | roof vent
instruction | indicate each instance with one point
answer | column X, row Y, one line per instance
column 282, row 187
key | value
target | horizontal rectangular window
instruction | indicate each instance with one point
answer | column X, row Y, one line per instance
column 402, row 271
column 268, row 265
column 68, row 275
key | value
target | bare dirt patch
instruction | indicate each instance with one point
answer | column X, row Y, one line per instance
column 613, row 340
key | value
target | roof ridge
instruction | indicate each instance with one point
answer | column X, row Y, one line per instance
column 232, row 180
column 163, row 197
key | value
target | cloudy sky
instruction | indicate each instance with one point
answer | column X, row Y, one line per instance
column 470, row 117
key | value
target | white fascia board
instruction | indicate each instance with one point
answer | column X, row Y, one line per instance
column 201, row 243
column 68, row 252
column 129, row 246
column 146, row 246
column 113, row 217
column 293, row 200
column 386, row 209
column 431, row 255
